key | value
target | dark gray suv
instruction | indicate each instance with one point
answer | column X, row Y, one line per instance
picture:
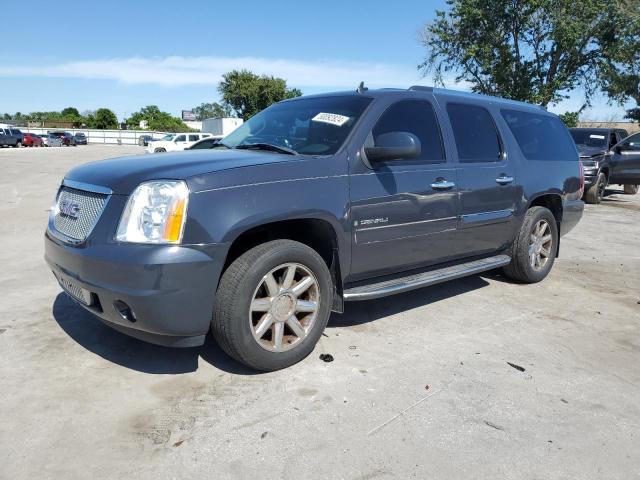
column 315, row 201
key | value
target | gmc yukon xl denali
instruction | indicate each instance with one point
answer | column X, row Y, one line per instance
column 315, row 201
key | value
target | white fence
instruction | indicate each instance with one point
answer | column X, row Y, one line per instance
column 108, row 137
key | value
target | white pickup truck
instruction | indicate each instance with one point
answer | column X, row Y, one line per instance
column 175, row 142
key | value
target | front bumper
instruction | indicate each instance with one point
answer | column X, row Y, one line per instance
column 590, row 179
column 168, row 289
column 571, row 215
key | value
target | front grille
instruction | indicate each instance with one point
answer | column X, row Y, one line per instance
column 77, row 212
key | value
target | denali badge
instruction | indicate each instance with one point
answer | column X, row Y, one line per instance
column 69, row 208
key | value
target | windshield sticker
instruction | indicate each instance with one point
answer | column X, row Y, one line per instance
column 600, row 137
column 331, row 118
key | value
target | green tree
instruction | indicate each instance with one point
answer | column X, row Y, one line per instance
column 103, row 119
column 570, row 119
column 157, row 120
column 247, row 93
column 531, row 50
column 70, row 112
column 212, row 110
column 619, row 67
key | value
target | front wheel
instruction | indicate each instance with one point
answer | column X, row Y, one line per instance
column 272, row 305
column 534, row 249
column 631, row 189
column 595, row 193
column 159, row 150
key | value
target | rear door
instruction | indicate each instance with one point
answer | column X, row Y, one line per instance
column 625, row 161
column 192, row 138
column 487, row 184
column 403, row 212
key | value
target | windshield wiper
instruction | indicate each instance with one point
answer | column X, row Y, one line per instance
column 266, row 146
column 220, row 144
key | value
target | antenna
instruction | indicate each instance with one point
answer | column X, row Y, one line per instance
column 361, row 88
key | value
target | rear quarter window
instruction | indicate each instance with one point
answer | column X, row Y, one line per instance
column 540, row 136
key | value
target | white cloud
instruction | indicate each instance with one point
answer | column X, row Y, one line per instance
column 183, row 71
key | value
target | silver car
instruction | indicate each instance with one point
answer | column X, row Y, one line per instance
column 49, row 140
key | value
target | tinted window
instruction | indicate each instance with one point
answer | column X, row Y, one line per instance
column 475, row 133
column 16, row 132
column 540, row 136
column 633, row 140
column 181, row 138
column 208, row 143
column 589, row 138
column 417, row 117
column 194, row 138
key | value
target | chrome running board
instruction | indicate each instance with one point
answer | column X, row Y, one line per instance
column 397, row 285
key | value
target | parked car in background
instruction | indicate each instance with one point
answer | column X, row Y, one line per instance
column 312, row 202
column 205, row 143
column 11, row 137
column 175, row 142
column 32, row 140
column 143, row 140
column 594, row 146
column 625, row 164
column 80, row 138
column 50, row 140
column 66, row 138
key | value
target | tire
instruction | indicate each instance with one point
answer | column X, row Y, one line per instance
column 159, row 150
column 235, row 324
column 595, row 192
column 631, row 189
column 523, row 266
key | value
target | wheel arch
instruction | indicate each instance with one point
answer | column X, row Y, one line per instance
column 552, row 202
column 318, row 234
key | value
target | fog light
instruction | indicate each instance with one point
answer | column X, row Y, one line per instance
column 124, row 310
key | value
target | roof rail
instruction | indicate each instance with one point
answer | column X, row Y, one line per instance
column 421, row 87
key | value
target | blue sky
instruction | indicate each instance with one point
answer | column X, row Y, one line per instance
column 128, row 54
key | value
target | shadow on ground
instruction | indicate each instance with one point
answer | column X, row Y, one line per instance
column 88, row 331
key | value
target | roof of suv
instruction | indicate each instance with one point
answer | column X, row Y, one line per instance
column 400, row 92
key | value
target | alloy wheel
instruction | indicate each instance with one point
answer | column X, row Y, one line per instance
column 284, row 307
column 540, row 243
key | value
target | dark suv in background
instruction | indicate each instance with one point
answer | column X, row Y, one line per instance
column 11, row 137
column 312, row 202
column 606, row 160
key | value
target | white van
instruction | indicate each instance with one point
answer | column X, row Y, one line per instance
column 175, row 142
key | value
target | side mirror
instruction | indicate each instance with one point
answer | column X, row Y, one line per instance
column 394, row 146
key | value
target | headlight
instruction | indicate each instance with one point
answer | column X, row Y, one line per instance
column 155, row 213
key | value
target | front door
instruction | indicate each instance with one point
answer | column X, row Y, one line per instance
column 403, row 212
column 486, row 180
column 625, row 162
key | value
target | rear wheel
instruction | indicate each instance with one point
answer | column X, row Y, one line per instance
column 534, row 249
column 159, row 150
column 631, row 189
column 595, row 192
column 272, row 305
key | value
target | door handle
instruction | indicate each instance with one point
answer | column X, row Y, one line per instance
column 442, row 184
column 504, row 180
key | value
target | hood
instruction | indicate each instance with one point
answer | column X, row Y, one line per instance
column 122, row 175
column 586, row 151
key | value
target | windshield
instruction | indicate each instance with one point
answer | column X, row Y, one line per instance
column 590, row 138
column 308, row 126
column 167, row 137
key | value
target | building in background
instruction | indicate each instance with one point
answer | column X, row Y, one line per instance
column 221, row 126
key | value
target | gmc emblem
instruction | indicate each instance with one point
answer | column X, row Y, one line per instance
column 69, row 208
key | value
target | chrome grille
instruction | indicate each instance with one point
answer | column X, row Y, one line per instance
column 73, row 289
column 77, row 212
